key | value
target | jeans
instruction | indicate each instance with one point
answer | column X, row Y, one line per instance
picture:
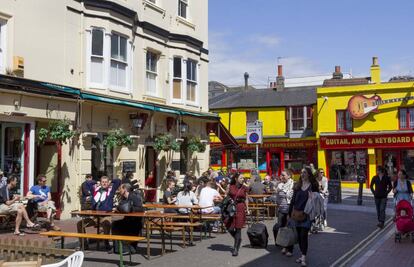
column 381, row 204
column 303, row 239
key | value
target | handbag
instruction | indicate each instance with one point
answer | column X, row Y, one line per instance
column 298, row 215
column 286, row 236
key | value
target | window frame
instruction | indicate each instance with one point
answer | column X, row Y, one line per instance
column 409, row 124
column 3, row 46
column 307, row 112
column 344, row 119
column 179, row 13
column 195, row 82
column 116, row 87
column 103, row 57
column 176, row 78
column 152, row 72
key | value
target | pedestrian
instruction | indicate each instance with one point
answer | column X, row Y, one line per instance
column 380, row 188
column 302, row 191
column 238, row 193
column 284, row 193
column 256, row 187
column 402, row 188
column 323, row 189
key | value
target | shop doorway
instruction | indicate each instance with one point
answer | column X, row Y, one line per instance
column 12, row 152
column 391, row 161
column 49, row 163
column 275, row 163
column 150, row 174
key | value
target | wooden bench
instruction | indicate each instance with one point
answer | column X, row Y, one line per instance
column 205, row 217
column 179, row 226
column 37, row 263
column 118, row 238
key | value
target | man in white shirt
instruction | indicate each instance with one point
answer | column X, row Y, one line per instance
column 207, row 197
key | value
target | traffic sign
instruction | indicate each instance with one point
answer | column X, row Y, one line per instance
column 254, row 133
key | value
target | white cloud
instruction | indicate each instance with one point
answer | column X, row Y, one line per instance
column 228, row 65
column 267, row 40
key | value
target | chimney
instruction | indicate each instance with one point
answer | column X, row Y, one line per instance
column 337, row 75
column 246, row 81
column 280, row 80
column 375, row 71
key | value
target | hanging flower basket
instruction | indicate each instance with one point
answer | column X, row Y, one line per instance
column 194, row 144
column 117, row 138
column 58, row 130
column 166, row 142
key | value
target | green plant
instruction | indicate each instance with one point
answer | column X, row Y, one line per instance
column 194, row 144
column 58, row 130
column 166, row 142
column 117, row 138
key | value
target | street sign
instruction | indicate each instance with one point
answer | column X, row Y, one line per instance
column 254, row 133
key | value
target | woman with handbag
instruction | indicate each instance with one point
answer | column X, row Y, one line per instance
column 284, row 193
column 302, row 190
column 238, row 193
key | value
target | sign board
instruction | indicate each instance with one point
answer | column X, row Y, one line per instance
column 397, row 140
column 254, row 133
column 129, row 166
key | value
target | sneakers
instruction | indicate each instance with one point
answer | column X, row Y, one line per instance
column 380, row 225
column 283, row 250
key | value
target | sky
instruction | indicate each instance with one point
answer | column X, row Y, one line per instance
column 309, row 37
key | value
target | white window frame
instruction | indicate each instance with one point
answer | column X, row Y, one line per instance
column 104, row 83
column 148, row 71
column 185, row 2
column 3, row 46
column 305, row 114
column 127, row 61
column 183, row 71
column 196, row 82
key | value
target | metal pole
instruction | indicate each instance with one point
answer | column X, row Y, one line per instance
column 257, row 157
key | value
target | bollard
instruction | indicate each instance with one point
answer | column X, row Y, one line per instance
column 361, row 181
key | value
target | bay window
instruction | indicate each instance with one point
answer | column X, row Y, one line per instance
column 151, row 75
column 97, row 57
column 177, row 78
column 191, row 80
column 2, row 46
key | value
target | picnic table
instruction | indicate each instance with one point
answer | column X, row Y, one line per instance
column 259, row 204
column 157, row 218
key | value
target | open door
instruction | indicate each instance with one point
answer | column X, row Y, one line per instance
column 150, row 174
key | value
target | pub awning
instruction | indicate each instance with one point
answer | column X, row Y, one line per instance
column 227, row 140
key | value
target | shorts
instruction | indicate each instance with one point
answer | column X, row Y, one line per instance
column 44, row 206
column 7, row 209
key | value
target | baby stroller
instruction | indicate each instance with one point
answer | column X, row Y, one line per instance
column 404, row 220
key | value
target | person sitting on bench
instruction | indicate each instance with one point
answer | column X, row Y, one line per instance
column 102, row 200
column 9, row 204
column 40, row 194
column 130, row 202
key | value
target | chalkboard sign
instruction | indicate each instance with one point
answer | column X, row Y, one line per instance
column 175, row 165
column 335, row 195
column 129, row 166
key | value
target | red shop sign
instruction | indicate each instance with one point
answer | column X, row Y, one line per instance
column 283, row 144
column 368, row 141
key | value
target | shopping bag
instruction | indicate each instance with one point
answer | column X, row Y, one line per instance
column 286, row 236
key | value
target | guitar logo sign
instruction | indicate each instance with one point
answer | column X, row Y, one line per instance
column 360, row 106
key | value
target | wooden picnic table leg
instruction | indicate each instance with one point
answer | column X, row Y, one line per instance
column 98, row 226
column 148, row 238
column 62, row 242
column 82, row 244
column 162, row 236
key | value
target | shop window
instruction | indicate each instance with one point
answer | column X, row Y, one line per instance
column 343, row 121
column 349, row 164
column 151, row 75
column 296, row 159
column 246, row 159
column 215, row 157
column 102, row 158
column 407, row 162
column 406, row 118
column 251, row 116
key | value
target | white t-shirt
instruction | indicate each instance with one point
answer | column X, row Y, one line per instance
column 207, row 195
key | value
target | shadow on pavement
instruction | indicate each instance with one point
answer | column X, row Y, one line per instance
column 220, row 247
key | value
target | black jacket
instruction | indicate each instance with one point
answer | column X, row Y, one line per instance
column 381, row 188
column 3, row 195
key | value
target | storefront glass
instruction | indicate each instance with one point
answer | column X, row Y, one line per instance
column 408, row 162
column 246, row 159
column 215, row 157
column 296, row 159
column 12, row 151
column 350, row 163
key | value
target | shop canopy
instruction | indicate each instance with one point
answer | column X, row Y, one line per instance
column 45, row 88
column 223, row 134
